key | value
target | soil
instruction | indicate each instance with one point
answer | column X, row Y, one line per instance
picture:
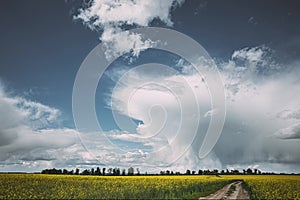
column 238, row 193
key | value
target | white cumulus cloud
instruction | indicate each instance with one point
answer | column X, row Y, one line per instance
column 28, row 140
column 111, row 16
column 261, row 128
column 260, row 107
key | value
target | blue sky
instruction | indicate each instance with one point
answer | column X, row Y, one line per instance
column 255, row 45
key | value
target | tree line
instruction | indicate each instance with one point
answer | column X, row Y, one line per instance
column 215, row 172
column 131, row 171
column 96, row 172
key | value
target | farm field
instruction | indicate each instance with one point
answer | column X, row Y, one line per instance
column 273, row 186
column 38, row 186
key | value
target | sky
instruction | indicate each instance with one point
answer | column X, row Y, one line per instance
column 87, row 83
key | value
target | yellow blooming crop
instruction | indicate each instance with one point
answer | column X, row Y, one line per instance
column 270, row 186
column 274, row 186
column 40, row 186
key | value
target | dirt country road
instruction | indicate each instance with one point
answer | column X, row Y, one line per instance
column 231, row 191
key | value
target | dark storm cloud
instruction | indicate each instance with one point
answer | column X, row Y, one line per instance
column 291, row 132
column 259, row 107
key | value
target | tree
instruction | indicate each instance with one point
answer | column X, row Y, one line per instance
column 92, row 171
column 103, row 171
column 77, row 171
column 130, row 171
column 215, row 172
column 86, row 172
column 98, row 171
column 249, row 171
column 123, row 172
column 110, row 170
column 206, row 172
column 116, row 171
column 52, row 171
column 255, row 171
column 188, row 172
column 200, row 172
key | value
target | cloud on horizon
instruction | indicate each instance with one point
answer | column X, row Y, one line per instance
column 262, row 107
column 30, row 139
column 262, row 122
column 261, row 128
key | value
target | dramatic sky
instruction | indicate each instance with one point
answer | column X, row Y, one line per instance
column 234, row 104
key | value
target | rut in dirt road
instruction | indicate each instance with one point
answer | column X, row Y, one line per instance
column 231, row 191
